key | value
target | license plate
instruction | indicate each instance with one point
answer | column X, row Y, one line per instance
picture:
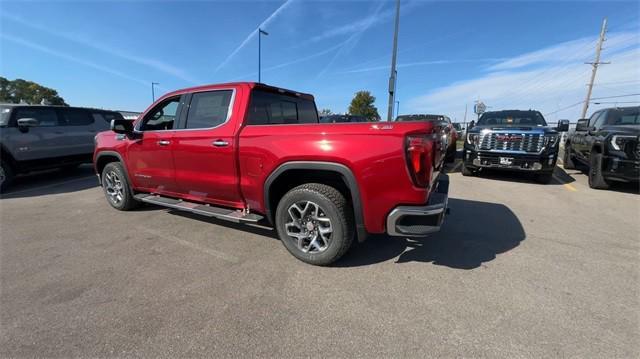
column 506, row 161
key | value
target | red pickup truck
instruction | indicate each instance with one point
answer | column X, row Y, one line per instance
column 248, row 152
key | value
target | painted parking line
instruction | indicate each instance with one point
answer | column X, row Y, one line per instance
column 567, row 186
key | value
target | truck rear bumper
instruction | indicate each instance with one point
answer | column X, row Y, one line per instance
column 417, row 221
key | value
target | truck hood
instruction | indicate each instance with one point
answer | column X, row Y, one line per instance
column 542, row 130
column 623, row 129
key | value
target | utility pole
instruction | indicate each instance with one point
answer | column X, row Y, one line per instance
column 464, row 121
column 595, row 64
column 260, row 33
column 153, row 92
column 394, row 73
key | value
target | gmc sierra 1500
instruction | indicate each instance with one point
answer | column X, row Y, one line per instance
column 249, row 152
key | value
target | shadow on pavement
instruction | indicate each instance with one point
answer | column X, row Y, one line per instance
column 52, row 182
column 474, row 233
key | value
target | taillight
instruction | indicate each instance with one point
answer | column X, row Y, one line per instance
column 418, row 160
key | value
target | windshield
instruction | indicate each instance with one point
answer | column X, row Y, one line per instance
column 624, row 116
column 5, row 111
column 512, row 118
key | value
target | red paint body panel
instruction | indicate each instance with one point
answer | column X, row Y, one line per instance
column 235, row 175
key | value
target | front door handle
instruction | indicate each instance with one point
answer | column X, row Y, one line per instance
column 164, row 143
column 220, row 143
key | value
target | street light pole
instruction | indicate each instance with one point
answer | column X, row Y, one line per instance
column 260, row 33
column 153, row 92
column 392, row 77
column 397, row 108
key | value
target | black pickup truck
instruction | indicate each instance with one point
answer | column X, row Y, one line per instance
column 512, row 140
column 608, row 144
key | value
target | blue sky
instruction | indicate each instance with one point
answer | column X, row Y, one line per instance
column 509, row 54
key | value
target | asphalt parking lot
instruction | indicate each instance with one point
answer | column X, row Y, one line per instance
column 519, row 270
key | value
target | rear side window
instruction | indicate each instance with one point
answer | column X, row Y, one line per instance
column 208, row 109
column 46, row 117
column 76, row 117
column 267, row 108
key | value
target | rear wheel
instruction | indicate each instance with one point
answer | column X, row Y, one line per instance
column 596, row 180
column 6, row 175
column 567, row 158
column 117, row 188
column 315, row 223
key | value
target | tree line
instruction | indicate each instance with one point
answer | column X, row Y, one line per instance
column 23, row 91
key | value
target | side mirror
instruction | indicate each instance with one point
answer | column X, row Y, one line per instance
column 582, row 125
column 122, row 126
column 563, row 126
column 28, row 122
column 471, row 124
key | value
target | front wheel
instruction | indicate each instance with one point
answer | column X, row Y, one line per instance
column 567, row 158
column 117, row 188
column 596, row 179
column 6, row 175
column 466, row 171
column 315, row 223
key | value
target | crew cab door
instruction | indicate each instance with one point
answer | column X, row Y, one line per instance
column 149, row 156
column 42, row 141
column 204, row 149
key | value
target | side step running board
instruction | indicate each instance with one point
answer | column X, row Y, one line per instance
column 236, row 216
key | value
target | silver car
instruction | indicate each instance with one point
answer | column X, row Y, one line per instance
column 34, row 137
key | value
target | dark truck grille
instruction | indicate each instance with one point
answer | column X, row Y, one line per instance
column 637, row 152
column 523, row 142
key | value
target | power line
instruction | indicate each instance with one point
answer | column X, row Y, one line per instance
column 592, row 100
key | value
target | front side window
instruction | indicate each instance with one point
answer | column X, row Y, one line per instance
column 76, row 117
column 46, row 117
column 597, row 124
column 208, row 109
column 161, row 117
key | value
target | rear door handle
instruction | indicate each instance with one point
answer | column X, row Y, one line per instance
column 220, row 143
column 164, row 143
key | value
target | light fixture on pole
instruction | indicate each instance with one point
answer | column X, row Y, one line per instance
column 260, row 33
column 153, row 92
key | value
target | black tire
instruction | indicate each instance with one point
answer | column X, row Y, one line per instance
column 567, row 158
column 332, row 205
column 544, row 178
column 466, row 171
column 596, row 180
column 451, row 154
column 119, row 197
column 6, row 175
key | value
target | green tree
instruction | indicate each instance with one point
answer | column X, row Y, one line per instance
column 28, row 91
column 363, row 105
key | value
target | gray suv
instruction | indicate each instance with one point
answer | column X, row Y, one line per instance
column 36, row 137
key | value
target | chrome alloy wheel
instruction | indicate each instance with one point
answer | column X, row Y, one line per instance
column 114, row 187
column 309, row 227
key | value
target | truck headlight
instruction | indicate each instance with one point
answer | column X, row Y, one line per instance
column 550, row 140
column 473, row 138
column 618, row 141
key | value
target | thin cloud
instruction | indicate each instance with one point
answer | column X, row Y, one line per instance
column 353, row 39
column 153, row 63
column 549, row 88
column 418, row 63
column 253, row 33
column 567, row 51
column 77, row 60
